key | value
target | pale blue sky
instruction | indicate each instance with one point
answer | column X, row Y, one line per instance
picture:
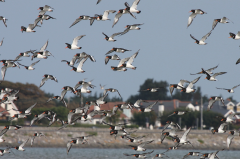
column 166, row 50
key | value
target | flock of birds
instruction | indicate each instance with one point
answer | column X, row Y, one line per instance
column 9, row 95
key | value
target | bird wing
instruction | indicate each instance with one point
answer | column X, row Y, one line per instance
column 146, row 142
column 44, row 47
column 222, row 126
column 215, row 22
column 75, row 22
column 182, row 82
column 206, row 36
column 119, row 94
column 4, row 22
column 135, row 3
column 123, row 61
column 115, row 34
column 105, row 35
column 3, row 132
column 235, row 86
column 130, row 61
column 219, row 73
column 116, row 18
column 150, row 106
column 193, row 82
column 106, row 13
column 125, row 31
column 3, row 71
column 210, row 103
column 193, row 37
column 184, row 137
column 98, row 1
column 43, row 81
column 190, row 19
column 171, row 89
column 229, row 140
column 222, row 88
column 32, row 140
column 37, row 21
column 210, row 69
column 112, row 51
column 106, row 60
column 30, row 108
column 69, row 145
column 82, row 62
column 24, row 143
column 75, row 40
column 1, row 42
column 163, row 137
column 34, row 63
column 63, row 93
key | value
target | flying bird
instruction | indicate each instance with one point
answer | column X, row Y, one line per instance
column 209, row 71
column 235, row 36
column 201, row 42
column 222, row 20
column 189, row 88
column 230, row 90
column 194, row 14
column 29, row 28
column 31, row 66
column 178, row 86
column 74, row 43
column 82, row 17
column 213, row 99
column 4, row 20
column 131, row 27
column 46, row 77
column 111, row 37
column 1, row 42
column 121, row 50
column 114, row 57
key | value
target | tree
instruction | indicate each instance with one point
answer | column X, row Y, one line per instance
column 140, row 119
column 146, row 95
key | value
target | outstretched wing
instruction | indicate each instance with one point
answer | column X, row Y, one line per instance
column 193, row 37
column 75, row 22
column 206, row 36
column 219, row 73
column 190, row 19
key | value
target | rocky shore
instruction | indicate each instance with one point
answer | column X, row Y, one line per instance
column 102, row 139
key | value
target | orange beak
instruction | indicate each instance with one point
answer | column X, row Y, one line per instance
column 230, row 37
column 66, row 47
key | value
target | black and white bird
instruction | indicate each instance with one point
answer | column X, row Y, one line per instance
column 80, row 65
column 148, row 108
column 120, row 50
column 46, row 77
column 103, row 17
column 129, row 62
column 230, row 90
column 111, row 37
column 24, row 54
column 213, row 99
column 45, row 9
column 221, row 129
column 213, row 77
column 131, row 27
column 74, row 46
column 140, row 147
column 114, row 57
column 29, row 28
column 189, row 88
column 120, row 13
column 191, row 154
column 65, row 89
column 209, row 71
column 112, row 90
column 41, row 18
column 20, row 148
column 142, row 155
column 4, row 20
column 222, row 20
column 82, row 17
column 202, row 41
column 195, row 12
column 178, row 86
column 31, row 66
column 57, row 98
column 235, row 36
column 178, row 113
column 36, row 135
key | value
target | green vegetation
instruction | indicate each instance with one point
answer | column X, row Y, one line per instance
column 200, row 141
column 141, row 118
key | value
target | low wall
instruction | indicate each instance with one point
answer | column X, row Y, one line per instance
column 102, row 139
